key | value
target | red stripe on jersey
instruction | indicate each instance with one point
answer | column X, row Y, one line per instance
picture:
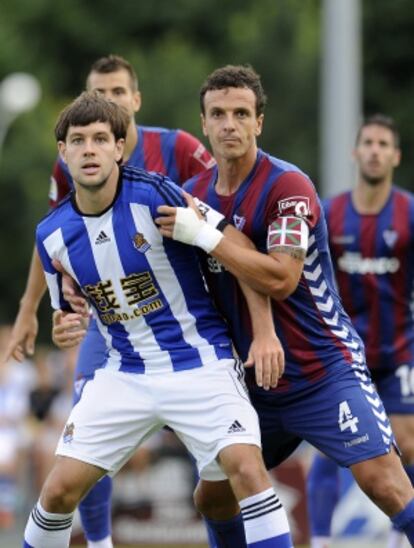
column 152, row 151
column 401, row 224
column 191, row 155
column 336, row 227
column 370, row 287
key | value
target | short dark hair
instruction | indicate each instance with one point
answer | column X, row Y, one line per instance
column 383, row 121
column 92, row 107
column 113, row 63
column 235, row 76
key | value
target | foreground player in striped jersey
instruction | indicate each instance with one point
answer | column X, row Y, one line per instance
column 169, row 361
column 371, row 237
column 175, row 153
column 326, row 395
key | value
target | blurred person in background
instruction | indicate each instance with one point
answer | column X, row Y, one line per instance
column 16, row 382
column 371, row 238
column 175, row 153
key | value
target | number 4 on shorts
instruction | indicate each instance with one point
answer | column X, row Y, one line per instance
column 346, row 420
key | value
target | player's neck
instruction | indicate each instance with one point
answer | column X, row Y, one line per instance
column 370, row 199
column 95, row 201
column 131, row 140
column 232, row 172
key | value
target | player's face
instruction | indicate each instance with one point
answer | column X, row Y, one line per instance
column 230, row 122
column 376, row 154
column 91, row 154
column 116, row 87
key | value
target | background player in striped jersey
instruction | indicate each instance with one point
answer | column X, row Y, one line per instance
column 163, row 334
column 371, row 238
column 325, row 395
column 173, row 152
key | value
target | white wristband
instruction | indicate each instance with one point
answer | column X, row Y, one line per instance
column 208, row 238
column 189, row 229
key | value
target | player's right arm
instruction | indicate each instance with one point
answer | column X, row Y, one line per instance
column 26, row 325
column 25, row 328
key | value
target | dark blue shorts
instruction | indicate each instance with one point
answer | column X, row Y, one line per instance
column 342, row 416
column 396, row 388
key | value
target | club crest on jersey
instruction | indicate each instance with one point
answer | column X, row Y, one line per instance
column 68, row 432
column 390, row 237
column 239, row 221
column 295, row 205
column 140, row 243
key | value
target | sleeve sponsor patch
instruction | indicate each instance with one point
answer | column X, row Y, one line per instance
column 288, row 232
column 295, row 205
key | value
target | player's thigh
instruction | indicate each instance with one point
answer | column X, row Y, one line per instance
column 209, row 409
column 114, row 415
column 344, row 418
column 403, row 428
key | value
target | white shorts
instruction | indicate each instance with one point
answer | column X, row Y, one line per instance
column 208, row 408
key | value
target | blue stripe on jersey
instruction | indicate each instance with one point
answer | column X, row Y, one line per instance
column 164, row 325
column 168, row 139
column 137, row 157
column 384, row 222
column 352, row 224
column 166, row 188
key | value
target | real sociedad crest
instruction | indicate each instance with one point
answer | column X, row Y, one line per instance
column 140, row 243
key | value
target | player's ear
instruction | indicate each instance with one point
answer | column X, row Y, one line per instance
column 259, row 125
column 137, row 101
column 397, row 157
column 62, row 150
column 203, row 124
column 119, row 146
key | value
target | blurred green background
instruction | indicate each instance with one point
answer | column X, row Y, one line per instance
column 174, row 44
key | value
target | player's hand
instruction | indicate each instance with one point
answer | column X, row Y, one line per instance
column 71, row 291
column 268, row 358
column 166, row 223
column 187, row 225
column 68, row 329
column 23, row 336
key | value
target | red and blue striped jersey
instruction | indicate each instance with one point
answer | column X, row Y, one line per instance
column 317, row 335
column 373, row 257
column 172, row 152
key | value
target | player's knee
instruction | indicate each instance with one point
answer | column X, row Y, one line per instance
column 59, row 497
column 215, row 500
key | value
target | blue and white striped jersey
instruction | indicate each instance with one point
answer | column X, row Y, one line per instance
column 148, row 292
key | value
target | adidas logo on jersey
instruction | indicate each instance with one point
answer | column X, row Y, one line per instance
column 236, row 427
column 102, row 238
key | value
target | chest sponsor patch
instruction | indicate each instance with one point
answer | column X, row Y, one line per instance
column 287, row 232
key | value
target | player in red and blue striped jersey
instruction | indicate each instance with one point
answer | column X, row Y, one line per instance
column 371, row 238
column 169, row 361
column 326, row 395
column 175, row 153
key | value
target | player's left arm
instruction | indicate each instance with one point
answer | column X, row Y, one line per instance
column 276, row 273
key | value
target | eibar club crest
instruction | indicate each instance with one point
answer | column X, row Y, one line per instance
column 239, row 221
column 390, row 237
column 140, row 243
